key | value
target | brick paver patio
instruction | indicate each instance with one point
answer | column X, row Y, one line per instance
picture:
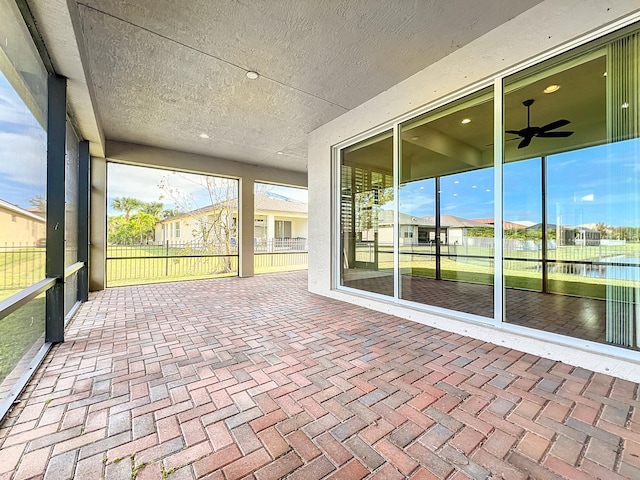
column 256, row 378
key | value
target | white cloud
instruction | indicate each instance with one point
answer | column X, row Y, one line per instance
column 23, row 158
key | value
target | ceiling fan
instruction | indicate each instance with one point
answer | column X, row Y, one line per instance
column 529, row 132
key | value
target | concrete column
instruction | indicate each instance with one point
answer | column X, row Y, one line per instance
column 245, row 223
column 98, row 224
column 271, row 231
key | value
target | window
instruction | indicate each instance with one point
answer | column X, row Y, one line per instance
column 177, row 229
column 570, row 200
column 23, row 167
column 283, row 229
column 366, row 215
column 575, row 182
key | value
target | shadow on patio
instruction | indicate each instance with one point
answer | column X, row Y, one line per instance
column 256, row 378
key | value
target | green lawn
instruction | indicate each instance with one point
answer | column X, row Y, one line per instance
column 18, row 332
column 519, row 273
column 134, row 271
column 20, row 268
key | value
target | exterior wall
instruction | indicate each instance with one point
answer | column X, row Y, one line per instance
column 17, row 228
column 542, row 29
column 456, row 236
column 299, row 227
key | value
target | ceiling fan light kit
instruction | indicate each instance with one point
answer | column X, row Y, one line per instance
column 529, row 132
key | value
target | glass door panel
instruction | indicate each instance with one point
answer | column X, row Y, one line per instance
column 367, row 215
column 446, row 207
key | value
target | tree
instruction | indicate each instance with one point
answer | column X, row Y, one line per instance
column 119, row 230
column 211, row 213
column 38, row 204
column 126, row 205
column 603, row 229
column 153, row 208
column 142, row 225
column 170, row 212
column 139, row 227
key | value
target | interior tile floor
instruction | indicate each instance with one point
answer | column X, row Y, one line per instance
column 256, row 378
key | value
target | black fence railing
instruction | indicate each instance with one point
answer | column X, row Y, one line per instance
column 145, row 263
column 21, row 265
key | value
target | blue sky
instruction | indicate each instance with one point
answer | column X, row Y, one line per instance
column 189, row 190
column 22, row 150
column 598, row 184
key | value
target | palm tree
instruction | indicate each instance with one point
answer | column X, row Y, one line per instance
column 152, row 208
column 603, row 229
column 142, row 225
column 126, row 205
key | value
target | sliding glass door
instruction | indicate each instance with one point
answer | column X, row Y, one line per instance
column 567, row 207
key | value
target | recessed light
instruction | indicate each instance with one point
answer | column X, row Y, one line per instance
column 457, row 181
column 280, row 153
column 414, row 138
column 487, row 190
column 203, row 135
column 474, row 186
column 455, row 194
column 552, row 88
column 251, row 75
column 465, row 121
column 624, row 105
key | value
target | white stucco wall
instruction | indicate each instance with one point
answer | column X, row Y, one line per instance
column 542, row 29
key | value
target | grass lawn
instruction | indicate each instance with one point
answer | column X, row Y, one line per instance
column 19, row 268
column 123, row 271
column 18, row 332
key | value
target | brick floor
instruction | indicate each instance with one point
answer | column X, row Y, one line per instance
column 256, row 378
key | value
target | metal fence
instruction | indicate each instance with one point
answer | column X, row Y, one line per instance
column 280, row 260
column 21, row 265
column 280, row 244
column 131, row 264
column 145, row 263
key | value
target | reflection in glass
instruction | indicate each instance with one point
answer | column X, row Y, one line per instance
column 573, row 264
column 71, row 217
column 366, row 215
column 446, row 207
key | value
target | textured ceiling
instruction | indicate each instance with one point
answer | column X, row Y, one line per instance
column 165, row 71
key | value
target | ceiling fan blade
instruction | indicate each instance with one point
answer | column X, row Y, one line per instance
column 554, row 125
column 525, row 143
column 554, row 134
column 514, row 132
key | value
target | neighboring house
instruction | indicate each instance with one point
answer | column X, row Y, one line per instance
column 422, row 230
column 278, row 223
column 20, row 227
column 570, row 235
column 506, row 224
